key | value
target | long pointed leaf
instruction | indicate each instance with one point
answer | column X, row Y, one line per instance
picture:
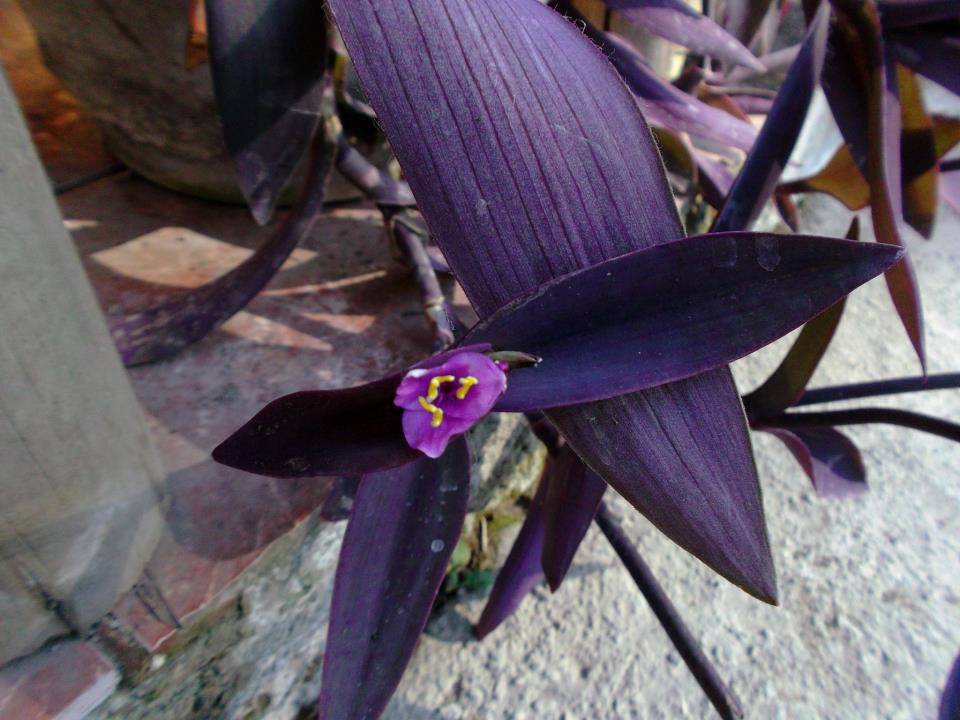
column 899, row 13
column 743, row 18
column 521, row 571
column 766, row 161
column 662, row 104
column 268, row 59
column 573, row 495
column 842, row 179
column 322, row 432
column 502, row 114
column 931, row 54
column 787, row 383
column 696, row 305
column 859, row 71
column 678, row 22
column 950, row 700
column 165, row 329
column 828, row 457
column 403, row 527
column 918, row 156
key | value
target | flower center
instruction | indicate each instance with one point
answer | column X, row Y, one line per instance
column 433, row 393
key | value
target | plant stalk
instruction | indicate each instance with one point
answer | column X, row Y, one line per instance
column 435, row 306
column 861, row 416
column 724, row 701
column 946, row 381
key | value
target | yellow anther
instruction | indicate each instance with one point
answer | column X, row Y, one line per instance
column 434, row 390
column 465, row 384
column 433, row 409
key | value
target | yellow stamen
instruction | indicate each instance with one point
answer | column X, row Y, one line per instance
column 434, row 390
column 465, row 384
column 433, row 409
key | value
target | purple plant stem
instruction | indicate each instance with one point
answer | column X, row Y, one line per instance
column 390, row 195
column 863, row 416
column 945, row 381
column 434, row 303
column 724, row 701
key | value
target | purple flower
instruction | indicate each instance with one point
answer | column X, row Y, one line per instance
column 442, row 402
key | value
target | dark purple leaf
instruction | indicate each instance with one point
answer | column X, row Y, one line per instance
column 787, row 383
column 521, row 571
column 756, row 181
column 742, row 18
column 860, row 77
column 268, row 59
column 322, row 432
column 336, row 506
column 776, row 61
column 695, row 305
column 163, row 330
column 901, row 13
column 931, row 54
column 678, row 22
column 693, row 479
column 500, row 182
column 573, row 495
column 828, row 457
column 664, row 105
column 950, row 700
column 714, row 178
column 402, row 530
column 918, row 156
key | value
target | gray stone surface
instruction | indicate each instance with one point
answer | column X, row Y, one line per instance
column 79, row 477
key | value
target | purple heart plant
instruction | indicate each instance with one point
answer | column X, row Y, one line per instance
column 538, row 177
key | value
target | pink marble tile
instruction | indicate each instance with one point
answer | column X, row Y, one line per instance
column 65, row 682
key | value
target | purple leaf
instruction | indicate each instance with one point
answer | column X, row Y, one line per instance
column 521, row 571
column 742, row 18
column 950, row 700
column 695, row 305
column 766, row 161
column 322, row 432
column 776, row 61
column 573, row 495
column 901, row 13
column 860, row 77
column 828, row 457
column 268, row 59
column 402, row 530
column 678, row 22
column 933, row 55
column 714, row 178
column 500, row 182
column 693, row 478
column 787, row 383
column 664, row 105
column 163, row 330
